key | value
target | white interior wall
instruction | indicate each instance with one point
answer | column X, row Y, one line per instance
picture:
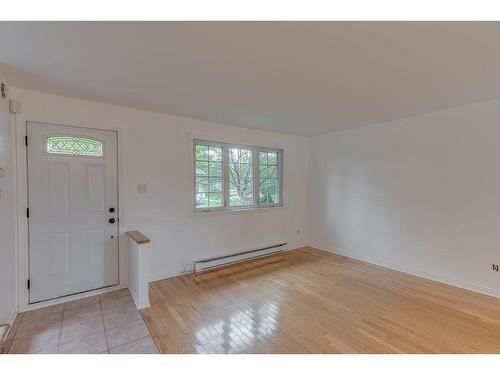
column 7, row 235
column 155, row 149
column 419, row 194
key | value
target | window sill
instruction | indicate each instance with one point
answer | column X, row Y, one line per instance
column 237, row 211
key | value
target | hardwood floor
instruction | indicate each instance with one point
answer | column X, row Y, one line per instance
column 310, row 301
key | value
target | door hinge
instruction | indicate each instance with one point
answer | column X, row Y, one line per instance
column 26, row 140
column 27, row 212
column 28, row 283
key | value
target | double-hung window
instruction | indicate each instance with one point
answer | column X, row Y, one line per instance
column 232, row 177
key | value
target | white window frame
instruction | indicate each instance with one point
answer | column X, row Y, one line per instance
column 225, row 175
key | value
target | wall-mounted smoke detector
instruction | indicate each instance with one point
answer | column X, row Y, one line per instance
column 3, row 90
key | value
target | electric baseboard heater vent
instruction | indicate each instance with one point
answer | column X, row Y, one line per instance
column 224, row 260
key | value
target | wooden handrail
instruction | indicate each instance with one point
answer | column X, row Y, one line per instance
column 138, row 237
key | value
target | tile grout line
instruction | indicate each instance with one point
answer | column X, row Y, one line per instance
column 76, row 321
column 15, row 337
column 122, row 325
column 60, row 330
column 103, row 326
column 130, row 342
column 15, row 333
column 150, row 334
column 101, row 316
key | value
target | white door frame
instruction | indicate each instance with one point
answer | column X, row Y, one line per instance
column 22, row 221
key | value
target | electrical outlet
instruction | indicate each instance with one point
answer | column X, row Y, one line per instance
column 141, row 188
column 298, row 232
column 495, row 267
column 188, row 268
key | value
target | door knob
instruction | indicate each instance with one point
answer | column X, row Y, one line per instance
column 112, row 209
column 112, row 220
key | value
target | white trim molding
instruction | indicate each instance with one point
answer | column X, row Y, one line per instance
column 21, row 192
column 415, row 272
column 138, row 280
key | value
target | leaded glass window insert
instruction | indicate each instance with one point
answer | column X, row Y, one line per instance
column 240, row 177
column 209, row 173
column 74, row 145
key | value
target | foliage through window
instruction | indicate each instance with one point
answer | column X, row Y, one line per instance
column 233, row 177
column 209, row 176
column 74, row 145
column 240, row 177
column 269, row 178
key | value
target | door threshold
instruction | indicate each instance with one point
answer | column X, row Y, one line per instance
column 71, row 297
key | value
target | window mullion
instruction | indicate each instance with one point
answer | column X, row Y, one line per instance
column 226, row 182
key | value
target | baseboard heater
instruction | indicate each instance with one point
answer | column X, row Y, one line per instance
column 225, row 260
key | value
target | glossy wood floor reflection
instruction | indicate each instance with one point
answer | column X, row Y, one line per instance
column 309, row 301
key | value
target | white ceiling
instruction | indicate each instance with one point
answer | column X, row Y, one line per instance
column 300, row 78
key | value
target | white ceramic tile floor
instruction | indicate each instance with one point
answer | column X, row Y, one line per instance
column 109, row 323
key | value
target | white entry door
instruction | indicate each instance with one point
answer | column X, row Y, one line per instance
column 73, row 210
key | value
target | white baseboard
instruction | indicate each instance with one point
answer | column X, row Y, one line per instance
column 165, row 275
column 70, row 298
column 172, row 273
column 140, row 304
column 415, row 272
column 296, row 246
column 10, row 323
